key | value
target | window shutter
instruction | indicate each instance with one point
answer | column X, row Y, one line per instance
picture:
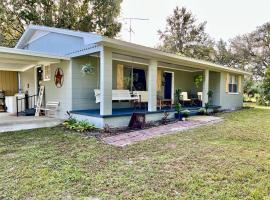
column 120, row 77
column 159, row 79
column 239, row 84
column 227, row 82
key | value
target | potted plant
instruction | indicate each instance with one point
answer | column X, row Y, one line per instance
column 178, row 114
column 198, row 79
column 178, row 106
column 177, row 95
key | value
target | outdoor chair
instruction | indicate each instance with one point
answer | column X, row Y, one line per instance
column 118, row 95
column 143, row 98
column 51, row 108
column 184, row 99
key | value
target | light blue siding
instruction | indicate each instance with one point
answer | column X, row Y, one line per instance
column 55, row 43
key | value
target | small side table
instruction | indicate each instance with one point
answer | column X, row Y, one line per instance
column 164, row 102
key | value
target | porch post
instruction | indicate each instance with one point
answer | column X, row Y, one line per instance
column 205, row 87
column 152, row 85
column 105, row 81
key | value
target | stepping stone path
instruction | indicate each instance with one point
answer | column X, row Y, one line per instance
column 140, row 135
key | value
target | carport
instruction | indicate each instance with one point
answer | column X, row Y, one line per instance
column 15, row 61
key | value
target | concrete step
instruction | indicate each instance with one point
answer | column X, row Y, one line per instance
column 10, row 123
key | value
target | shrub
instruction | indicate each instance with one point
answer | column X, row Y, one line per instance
column 185, row 113
column 207, row 106
column 261, row 101
column 201, row 111
column 80, row 126
column 83, row 126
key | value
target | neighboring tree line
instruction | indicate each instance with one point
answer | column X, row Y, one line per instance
column 185, row 36
column 85, row 15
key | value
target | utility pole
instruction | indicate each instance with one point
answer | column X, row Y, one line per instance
column 130, row 30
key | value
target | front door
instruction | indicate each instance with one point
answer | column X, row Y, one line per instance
column 168, row 85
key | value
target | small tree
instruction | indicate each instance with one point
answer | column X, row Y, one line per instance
column 266, row 85
column 178, row 106
column 178, row 95
column 184, row 35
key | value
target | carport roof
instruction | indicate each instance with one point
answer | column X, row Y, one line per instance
column 12, row 59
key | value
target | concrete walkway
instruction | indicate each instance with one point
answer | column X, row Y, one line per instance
column 140, row 135
column 10, row 122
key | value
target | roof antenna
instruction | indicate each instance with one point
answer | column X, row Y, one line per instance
column 130, row 30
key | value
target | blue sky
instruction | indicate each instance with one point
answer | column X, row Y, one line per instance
column 225, row 18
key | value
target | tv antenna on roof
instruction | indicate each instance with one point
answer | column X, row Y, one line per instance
column 130, row 30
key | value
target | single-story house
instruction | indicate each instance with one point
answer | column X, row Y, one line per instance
column 89, row 75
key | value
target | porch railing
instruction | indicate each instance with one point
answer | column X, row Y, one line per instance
column 25, row 104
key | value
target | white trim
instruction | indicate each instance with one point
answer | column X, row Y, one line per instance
column 35, row 78
column 185, row 70
column 157, row 54
column 34, row 38
column 233, row 93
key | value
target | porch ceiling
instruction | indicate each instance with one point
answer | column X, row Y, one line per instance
column 21, row 60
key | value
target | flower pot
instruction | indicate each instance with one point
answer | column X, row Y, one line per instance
column 178, row 116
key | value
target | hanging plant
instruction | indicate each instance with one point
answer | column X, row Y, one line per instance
column 87, row 69
column 198, row 80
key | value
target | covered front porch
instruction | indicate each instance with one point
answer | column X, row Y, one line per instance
column 154, row 80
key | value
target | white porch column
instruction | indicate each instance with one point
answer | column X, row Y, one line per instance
column 205, row 87
column 105, row 81
column 152, row 85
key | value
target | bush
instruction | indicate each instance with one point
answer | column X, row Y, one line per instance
column 185, row 113
column 201, row 111
column 261, row 101
column 80, row 126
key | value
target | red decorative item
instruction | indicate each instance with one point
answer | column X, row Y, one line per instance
column 59, row 77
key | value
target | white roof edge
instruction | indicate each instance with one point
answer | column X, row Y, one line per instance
column 115, row 42
column 22, row 37
column 55, row 30
column 31, row 53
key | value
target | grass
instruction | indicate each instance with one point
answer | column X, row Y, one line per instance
column 230, row 160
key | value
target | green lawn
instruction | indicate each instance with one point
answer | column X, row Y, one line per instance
column 230, row 160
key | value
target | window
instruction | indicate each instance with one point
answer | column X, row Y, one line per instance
column 134, row 79
column 233, row 86
column 47, row 73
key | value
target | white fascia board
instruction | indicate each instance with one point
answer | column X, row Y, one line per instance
column 168, row 57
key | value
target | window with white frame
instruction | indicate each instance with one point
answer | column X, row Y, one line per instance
column 233, row 84
column 47, row 73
